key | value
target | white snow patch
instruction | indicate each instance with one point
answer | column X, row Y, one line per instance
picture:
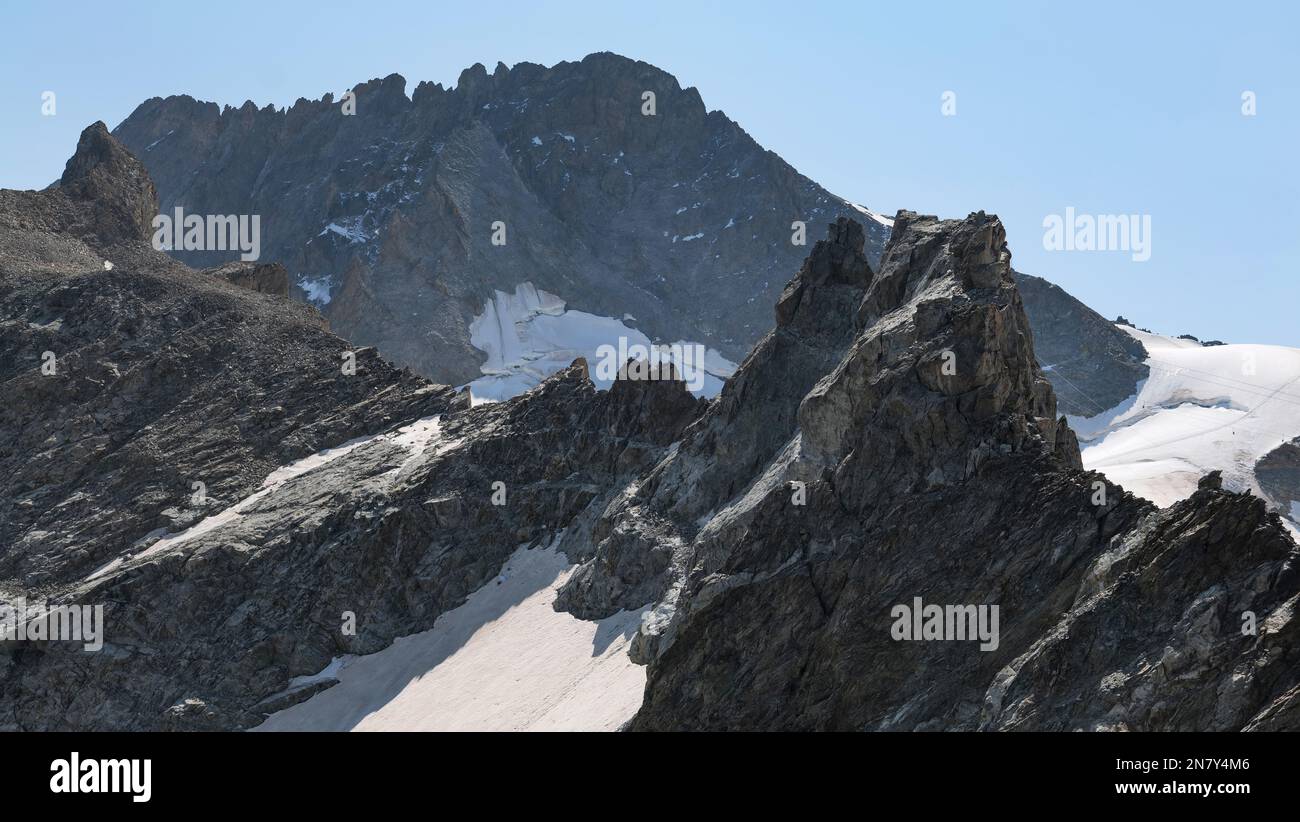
column 159, row 140
column 416, row 437
column 1201, row 409
column 887, row 222
column 318, row 290
column 690, row 237
column 349, row 229
column 530, row 334
column 329, row 673
column 537, row 141
column 505, row 660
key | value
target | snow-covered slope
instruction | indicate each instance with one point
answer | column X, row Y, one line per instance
column 530, row 334
column 505, row 660
column 887, row 222
column 1203, row 408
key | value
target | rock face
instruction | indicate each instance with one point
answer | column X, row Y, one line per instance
column 126, row 387
column 677, row 217
column 901, row 483
column 1279, row 475
column 1092, row 365
column 326, row 493
column 892, row 441
column 265, row 278
column 120, row 192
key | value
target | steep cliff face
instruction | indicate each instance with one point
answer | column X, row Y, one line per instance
column 386, row 218
column 891, row 443
column 903, row 483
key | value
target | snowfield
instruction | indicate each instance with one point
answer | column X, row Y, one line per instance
column 1201, row 409
column 531, row 334
column 503, row 661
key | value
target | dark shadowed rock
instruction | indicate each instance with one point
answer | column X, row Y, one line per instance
column 1278, row 473
column 1092, row 365
column 120, row 197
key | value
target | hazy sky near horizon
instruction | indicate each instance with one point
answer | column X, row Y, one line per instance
column 1108, row 108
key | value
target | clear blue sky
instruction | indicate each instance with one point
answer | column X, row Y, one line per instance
column 1112, row 108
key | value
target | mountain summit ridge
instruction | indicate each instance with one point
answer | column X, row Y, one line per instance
column 388, row 218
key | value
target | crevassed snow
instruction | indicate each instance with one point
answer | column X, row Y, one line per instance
column 1091, row 428
column 530, row 334
column 1201, row 409
column 504, row 660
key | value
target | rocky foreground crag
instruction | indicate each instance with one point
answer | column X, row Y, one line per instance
column 957, row 487
column 891, row 438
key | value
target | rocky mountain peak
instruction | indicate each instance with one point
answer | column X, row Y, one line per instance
column 839, row 259
column 890, row 439
column 942, row 376
column 104, row 173
column 619, row 193
column 386, row 95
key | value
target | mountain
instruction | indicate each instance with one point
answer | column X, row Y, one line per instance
column 1092, row 364
column 375, row 549
column 125, row 387
column 325, row 492
column 675, row 223
column 896, row 483
column 664, row 228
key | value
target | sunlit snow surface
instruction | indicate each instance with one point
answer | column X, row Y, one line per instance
column 530, row 334
column 887, row 222
column 1201, row 409
column 505, row 660
column 415, row 437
